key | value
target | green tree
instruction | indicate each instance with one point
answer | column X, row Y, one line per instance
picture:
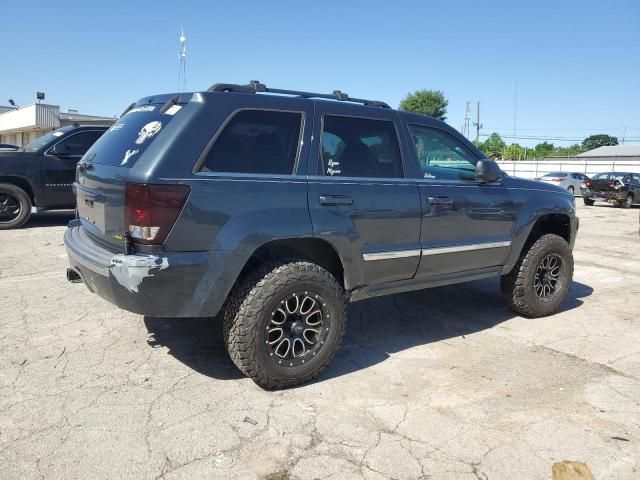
column 544, row 149
column 570, row 151
column 493, row 146
column 426, row 102
column 600, row 140
column 513, row 152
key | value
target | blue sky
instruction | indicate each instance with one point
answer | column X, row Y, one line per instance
column 576, row 63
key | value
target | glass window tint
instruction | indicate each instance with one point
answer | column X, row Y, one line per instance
column 78, row 143
column 359, row 147
column 127, row 139
column 257, row 141
column 441, row 157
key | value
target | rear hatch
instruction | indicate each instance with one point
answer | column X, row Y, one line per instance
column 104, row 169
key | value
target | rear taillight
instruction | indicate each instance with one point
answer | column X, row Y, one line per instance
column 151, row 210
column 556, row 179
column 584, row 185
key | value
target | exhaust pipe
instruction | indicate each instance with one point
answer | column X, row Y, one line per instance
column 73, row 276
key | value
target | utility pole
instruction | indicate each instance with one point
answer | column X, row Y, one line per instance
column 477, row 124
column 624, row 133
column 515, row 113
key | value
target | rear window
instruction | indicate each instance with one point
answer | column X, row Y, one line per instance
column 609, row 176
column 556, row 174
column 131, row 135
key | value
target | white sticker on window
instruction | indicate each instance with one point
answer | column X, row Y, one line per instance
column 173, row 109
column 116, row 127
column 57, row 134
column 148, row 131
column 145, row 108
column 127, row 155
column 428, row 175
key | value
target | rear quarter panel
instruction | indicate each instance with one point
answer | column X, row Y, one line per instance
column 229, row 211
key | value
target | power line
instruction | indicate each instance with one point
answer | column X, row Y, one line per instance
column 568, row 139
column 547, row 129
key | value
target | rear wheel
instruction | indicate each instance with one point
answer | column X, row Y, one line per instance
column 571, row 190
column 588, row 201
column 284, row 322
column 628, row 201
column 539, row 282
column 15, row 206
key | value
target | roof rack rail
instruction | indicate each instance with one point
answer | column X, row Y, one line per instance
column 254, row 86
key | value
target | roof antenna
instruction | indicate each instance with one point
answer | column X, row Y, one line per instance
column 182, row 57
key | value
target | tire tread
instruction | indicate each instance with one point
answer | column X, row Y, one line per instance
column 244, row 307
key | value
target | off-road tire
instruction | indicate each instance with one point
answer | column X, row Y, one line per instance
column 518, row 284
column 248, row 310
column 588, row 201
column 628, row 202
column 25, row 206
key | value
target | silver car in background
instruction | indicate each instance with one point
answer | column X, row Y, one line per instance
column 568, row 180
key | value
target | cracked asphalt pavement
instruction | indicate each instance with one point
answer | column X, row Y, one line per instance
column 444, row 383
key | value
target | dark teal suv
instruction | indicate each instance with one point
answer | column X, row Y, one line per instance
column 276, row 207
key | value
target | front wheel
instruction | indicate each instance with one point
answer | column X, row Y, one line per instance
column 628, row 201
column 539, row 282
column 284, row 322
column 15, row 206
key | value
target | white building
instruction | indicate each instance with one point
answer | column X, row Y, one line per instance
column 21, row 125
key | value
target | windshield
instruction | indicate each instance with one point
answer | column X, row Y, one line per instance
column 46, row 140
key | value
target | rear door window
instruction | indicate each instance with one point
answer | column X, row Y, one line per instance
column 360, row 147
column 256, row 141
column 130, row 136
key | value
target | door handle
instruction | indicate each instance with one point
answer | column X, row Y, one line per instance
column 442, row 200
column 329, row 200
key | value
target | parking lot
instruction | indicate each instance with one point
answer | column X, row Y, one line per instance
column 444, row 383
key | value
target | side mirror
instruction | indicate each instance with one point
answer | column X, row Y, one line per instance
column 487, row 171
column 60, row 149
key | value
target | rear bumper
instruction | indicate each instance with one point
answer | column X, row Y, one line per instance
column 603, row 195
column 186, row 284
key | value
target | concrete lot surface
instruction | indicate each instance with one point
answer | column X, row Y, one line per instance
column 444, row 383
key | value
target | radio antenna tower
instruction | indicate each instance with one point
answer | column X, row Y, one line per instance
column 182, row 57
column 465, row 125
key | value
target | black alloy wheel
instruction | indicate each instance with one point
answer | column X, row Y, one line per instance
column 297, row 328
column 10, row 208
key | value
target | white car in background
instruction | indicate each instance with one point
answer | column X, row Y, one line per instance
column 568, row 180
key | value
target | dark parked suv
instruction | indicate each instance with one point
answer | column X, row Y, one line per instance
column 276, row 210
column 40, row 176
